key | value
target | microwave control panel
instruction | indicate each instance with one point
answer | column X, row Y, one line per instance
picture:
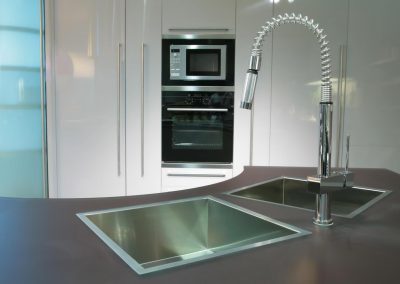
column 175, row 60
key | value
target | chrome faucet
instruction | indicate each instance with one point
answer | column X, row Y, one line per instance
column 325, row 181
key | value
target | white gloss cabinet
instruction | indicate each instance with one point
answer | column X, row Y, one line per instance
column 372, row 112
column 143, row 101
column 198, row 16
column 251, row 15
column 87, row 97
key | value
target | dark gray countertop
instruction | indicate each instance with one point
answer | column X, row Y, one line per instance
column 42, row 241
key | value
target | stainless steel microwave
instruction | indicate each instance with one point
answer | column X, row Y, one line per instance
column 198, row 62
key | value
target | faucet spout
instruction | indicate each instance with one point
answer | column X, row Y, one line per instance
column 322, row 215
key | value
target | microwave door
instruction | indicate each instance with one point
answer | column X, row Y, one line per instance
column 206, row 62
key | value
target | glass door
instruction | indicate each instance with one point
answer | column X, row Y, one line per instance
column 22, row 120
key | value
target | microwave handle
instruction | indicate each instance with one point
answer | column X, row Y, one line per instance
column 198, row 30
column 198, row 109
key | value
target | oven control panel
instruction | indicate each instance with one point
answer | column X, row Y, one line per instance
column 198, row 99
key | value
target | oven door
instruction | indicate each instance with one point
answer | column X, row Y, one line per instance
column 197, row 135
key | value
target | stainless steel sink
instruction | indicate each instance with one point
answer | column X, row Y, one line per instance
column 163, row 235
column 293, row 192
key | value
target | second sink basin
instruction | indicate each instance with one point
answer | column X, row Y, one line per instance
column 157, row 236
column 293, row 192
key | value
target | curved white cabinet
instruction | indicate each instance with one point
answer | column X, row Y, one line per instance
column 184, row 178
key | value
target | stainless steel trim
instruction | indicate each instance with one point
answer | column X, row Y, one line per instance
column 43, row 105
column 181, row 64
column 198, row 36
column 197, row 165
column 198, row 88
column 119, row 108
column 142, row 115
column 197, row 175
column 197, row 109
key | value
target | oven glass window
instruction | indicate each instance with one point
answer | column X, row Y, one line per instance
column 203, row 62
column 199, row 131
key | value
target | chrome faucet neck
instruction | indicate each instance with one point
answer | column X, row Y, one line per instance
column 323, row 210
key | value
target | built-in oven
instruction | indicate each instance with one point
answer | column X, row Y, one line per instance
column 198, row 61
column 197, row 124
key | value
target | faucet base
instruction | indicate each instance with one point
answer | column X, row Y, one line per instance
column 323, row 210
column 323, row 223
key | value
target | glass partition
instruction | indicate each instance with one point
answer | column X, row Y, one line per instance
column 22, row 141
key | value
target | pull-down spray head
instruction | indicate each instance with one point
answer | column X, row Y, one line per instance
column 249, row 89
column 255, row 60
column 251, row 80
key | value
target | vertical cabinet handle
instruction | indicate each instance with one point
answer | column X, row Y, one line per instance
column 142, row 114
column 346, row 169
column 119, row 109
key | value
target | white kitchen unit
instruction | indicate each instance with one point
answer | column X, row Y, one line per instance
column 372, row 112
column 143, row 101
column 86, row 97
column 185, row 178
column 198, row 16
column 286, row 109
column 104, row 97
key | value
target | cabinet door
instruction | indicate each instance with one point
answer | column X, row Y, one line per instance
column 198, row 16
column 251, row 133
column 143, row 101
column 372, row 112
column 295, row 85
column 89, row 97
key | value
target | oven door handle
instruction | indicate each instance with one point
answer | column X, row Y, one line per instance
column 197, row 175
column 198, row 109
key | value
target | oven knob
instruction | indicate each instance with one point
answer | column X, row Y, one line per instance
column 189, row 101
column 206, row 100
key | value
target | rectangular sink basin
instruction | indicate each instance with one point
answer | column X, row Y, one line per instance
column 162, row 235
column 293, row 192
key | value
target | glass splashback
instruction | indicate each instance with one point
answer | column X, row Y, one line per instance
column 21, row 131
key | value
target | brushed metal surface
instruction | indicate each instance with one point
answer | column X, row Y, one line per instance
column 163, row 235
column 292, row 192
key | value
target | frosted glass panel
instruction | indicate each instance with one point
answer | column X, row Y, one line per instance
column 21, row 130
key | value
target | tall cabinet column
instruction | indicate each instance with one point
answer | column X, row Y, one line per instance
column 87, row 97
column 143, row 96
